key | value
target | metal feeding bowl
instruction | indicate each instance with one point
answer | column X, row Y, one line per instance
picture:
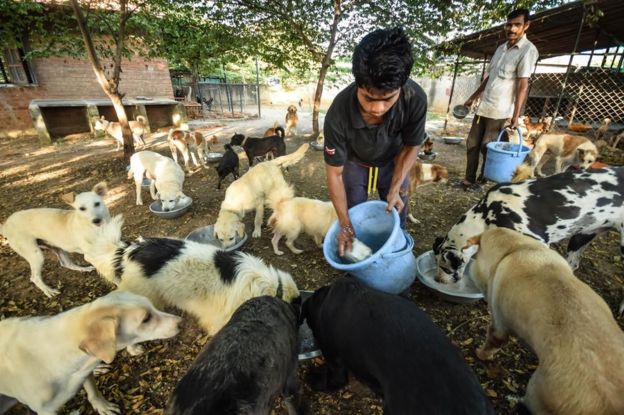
column 205, row 235
column 427, row 156
column 465, row 291
column 181, row 209
column 316, row 145
column 453, row 140
column 460, row 111
column 307, row 345
column 213, row 157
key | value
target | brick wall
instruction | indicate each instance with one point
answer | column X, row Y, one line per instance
column 66, row 78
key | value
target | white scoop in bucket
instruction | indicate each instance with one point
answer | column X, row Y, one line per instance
column 359, row 251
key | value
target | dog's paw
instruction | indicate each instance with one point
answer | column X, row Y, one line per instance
column 139, row 203
column 103, row 407
column 135, row 349
column 483, row 354
column 49, row 291
column 279, row 252
column 256, row 233
column 101, row 369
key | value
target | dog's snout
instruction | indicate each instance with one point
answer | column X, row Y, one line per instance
column 97, row 221
column 166, row 209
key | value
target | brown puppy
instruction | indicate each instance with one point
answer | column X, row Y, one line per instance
column 423, row 174
column 270, row 132
column 291, row 120
column 568, row 150
column 190, row 144
column 532, row 293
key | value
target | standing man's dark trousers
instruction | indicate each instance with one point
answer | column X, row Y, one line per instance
column 483, row 131
column 355, row 179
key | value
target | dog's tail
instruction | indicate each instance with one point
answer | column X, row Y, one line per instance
column 280, row 131
column 292, row 158
column 276, row 124
column 279, row 195
column 523, row 172
column 105, row 251
column 141, row 120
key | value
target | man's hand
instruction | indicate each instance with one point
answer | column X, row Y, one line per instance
column 345, row 239
column 514, row 122
column 395, row 201
column 469, row 102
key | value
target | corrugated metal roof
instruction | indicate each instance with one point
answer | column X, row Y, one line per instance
column 554, row 31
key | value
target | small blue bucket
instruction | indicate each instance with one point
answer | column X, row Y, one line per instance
column 503, row 158
column 392, row 266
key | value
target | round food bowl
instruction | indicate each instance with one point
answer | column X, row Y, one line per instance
column 181, row 209
column 460, row 111
column 308, row 348
column 317, row 146
column 214, row 157
column 205, row 235
column 453, row 140
column 427, row 156
column 464, row 292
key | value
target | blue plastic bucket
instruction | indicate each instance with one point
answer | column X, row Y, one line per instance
column 503, row 158
column 392, row 267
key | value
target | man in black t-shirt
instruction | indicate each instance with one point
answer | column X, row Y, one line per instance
column 373, row 127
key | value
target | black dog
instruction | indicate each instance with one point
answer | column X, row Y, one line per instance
column 245, row 366
column 387, row 342
column 228, row 164
column 260, row 147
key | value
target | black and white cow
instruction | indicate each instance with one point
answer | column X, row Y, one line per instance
column 575, row 205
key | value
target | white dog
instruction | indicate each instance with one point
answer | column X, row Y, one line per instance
column 200, row 279
column 113, row 129
column 251, row 192
column 292, row 216
column 63, row 231
column 167, row 178
column 45, row 360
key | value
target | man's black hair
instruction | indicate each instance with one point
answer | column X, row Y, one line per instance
column 519, row 12
column 383, row 60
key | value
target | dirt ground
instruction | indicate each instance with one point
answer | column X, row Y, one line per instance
column 31, row 176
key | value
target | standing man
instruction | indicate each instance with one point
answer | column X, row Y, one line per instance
column 502, row 92
column 372, row 129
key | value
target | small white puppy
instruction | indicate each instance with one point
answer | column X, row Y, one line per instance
column 45, row 360
column 293, row 216
column 167, row 178
column 63, row 231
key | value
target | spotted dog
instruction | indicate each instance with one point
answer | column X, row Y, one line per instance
column 576, row 204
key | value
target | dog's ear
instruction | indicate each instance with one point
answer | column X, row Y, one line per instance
column 581, row 153
column 100, row 189
column 102, row 118
column 241, row 230
column 69, row 198
column 437, row 244
column 472, row 246
column 101, row 338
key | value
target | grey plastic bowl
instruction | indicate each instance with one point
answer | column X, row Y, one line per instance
column 464, row 292
column 316, row 146
column 214, row 157
column 427, row 156
column 460, row 111
column 205, row 235
column 156, row 209
column 308, row 348
column 453, row 140
column 146, row 183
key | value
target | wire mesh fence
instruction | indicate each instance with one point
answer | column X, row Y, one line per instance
column 220, row 100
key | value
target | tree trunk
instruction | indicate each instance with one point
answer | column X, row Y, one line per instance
column 325, row 64
column 110, row 87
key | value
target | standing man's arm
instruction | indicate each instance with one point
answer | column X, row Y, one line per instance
column 338, row 197
column 522, row 89
column 477, row 93
column 402, row 166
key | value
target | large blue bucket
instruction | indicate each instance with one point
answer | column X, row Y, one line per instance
column 503, row 158
column 392, row 267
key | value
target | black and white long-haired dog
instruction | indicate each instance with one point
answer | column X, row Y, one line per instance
column 245, row 365
column 390, row 344
column 200, row 279
column 576, row 204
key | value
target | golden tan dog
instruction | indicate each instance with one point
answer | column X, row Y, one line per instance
column 189, row 143
column 113, row 129
column 291, row 120
column 292, row 216
column 568, row 150
column 250, row 192
column 422, row 174
column 532, row 293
